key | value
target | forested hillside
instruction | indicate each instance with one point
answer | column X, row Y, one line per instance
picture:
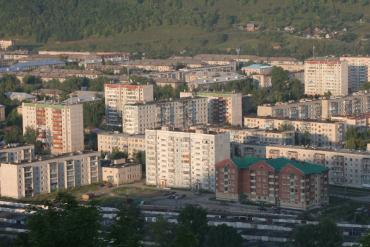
column 165, row 26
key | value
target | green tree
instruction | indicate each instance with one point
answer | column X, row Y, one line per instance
column 127, row 230
column 223, row 235
column 365, row 241
column 93, row 113
column 13, row 135
column 305, row 236
column 116, row 154
column 64, row 223
column 193, row 220
column 30, row 136
column 162, row 232
column 329, row 235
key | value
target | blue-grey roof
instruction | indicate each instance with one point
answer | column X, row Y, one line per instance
column 258, row 66
column 30, row 64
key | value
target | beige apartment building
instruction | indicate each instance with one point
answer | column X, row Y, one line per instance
column 27, row 179
column 319, row 133
column 2, row 113
column 6, row 44
column 121, row 172
column 60, row 126
column 131, row 144
column 346, row 168
column 323, row 75
column 178, row 113
column 184, row 159
column 352, row 105
column 17, row 154
column 223, row 108
column 118, row 95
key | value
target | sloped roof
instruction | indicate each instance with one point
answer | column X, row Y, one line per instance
column 280, row 163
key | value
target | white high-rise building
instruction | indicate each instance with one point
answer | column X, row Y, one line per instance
column 324, row 75
column 118, row 95
column 184, row 159
column 60, row 126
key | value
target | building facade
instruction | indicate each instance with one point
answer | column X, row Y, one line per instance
column 17, row 154
column 187, row 160
column 118, row 95
column 317, row 133
column 121, row 172
column 131, row 144
column 27, row 179
column 59, row 126
column 282, row 182
column 358, row 72
column 179, row 113
column 346, row 168
column 355, row 104
column 324, row 75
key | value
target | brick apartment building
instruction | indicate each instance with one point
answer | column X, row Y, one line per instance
column 282, row 182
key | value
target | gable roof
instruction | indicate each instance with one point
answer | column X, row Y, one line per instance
column 280, row 163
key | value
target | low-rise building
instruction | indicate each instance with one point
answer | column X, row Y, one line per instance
column 27, row 179
column 346, row 168
column 281, row 182
column 257, row 69
column 17, row 154
column 131, row 144
column 317, row 133
column 121, row 172
column 184, row 159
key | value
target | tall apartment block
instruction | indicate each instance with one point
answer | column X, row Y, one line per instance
column 346, row 168
column 358, row 72
column 179, row 113
column 323, row 75
column 17, row 154
column 131, row 144
column 27, row 179
column 60, row 126
column 319, row 133
column 282, row 182
column 118, row 95
column 223, row 108
column 184, row 159
column 355, row 104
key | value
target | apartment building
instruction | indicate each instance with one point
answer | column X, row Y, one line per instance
column 346, row 168
column 257, row 69
column 323, row 75
column 317, row 133
column 60, row 126
column 27, row 179
column 223, row 108
column 184, row 159
column 118, row 95
column 2, row 113
column 17, row 154
column 6, row 44
column 324, row 108
column 178, row 113
column 358, row 72
column 131, row 144
column 281, row 182
column 258, row 136
column 121, row 172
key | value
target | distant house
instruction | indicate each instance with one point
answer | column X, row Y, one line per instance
column 6, row 44
column 20, row 96
column 251, row 27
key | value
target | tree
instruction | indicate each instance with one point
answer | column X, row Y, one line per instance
column 116, row 154
column 193, row 221
column 30, row 136
column 13, row 135
column 365, row 241
column 32, row 80
column 93, row 113
column 223, row 235
column 127, row 230
column 325, row 234
column 162, row 232
column 140, row 158
column 64, row 223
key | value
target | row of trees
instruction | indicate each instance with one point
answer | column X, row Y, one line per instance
column 66, row 223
